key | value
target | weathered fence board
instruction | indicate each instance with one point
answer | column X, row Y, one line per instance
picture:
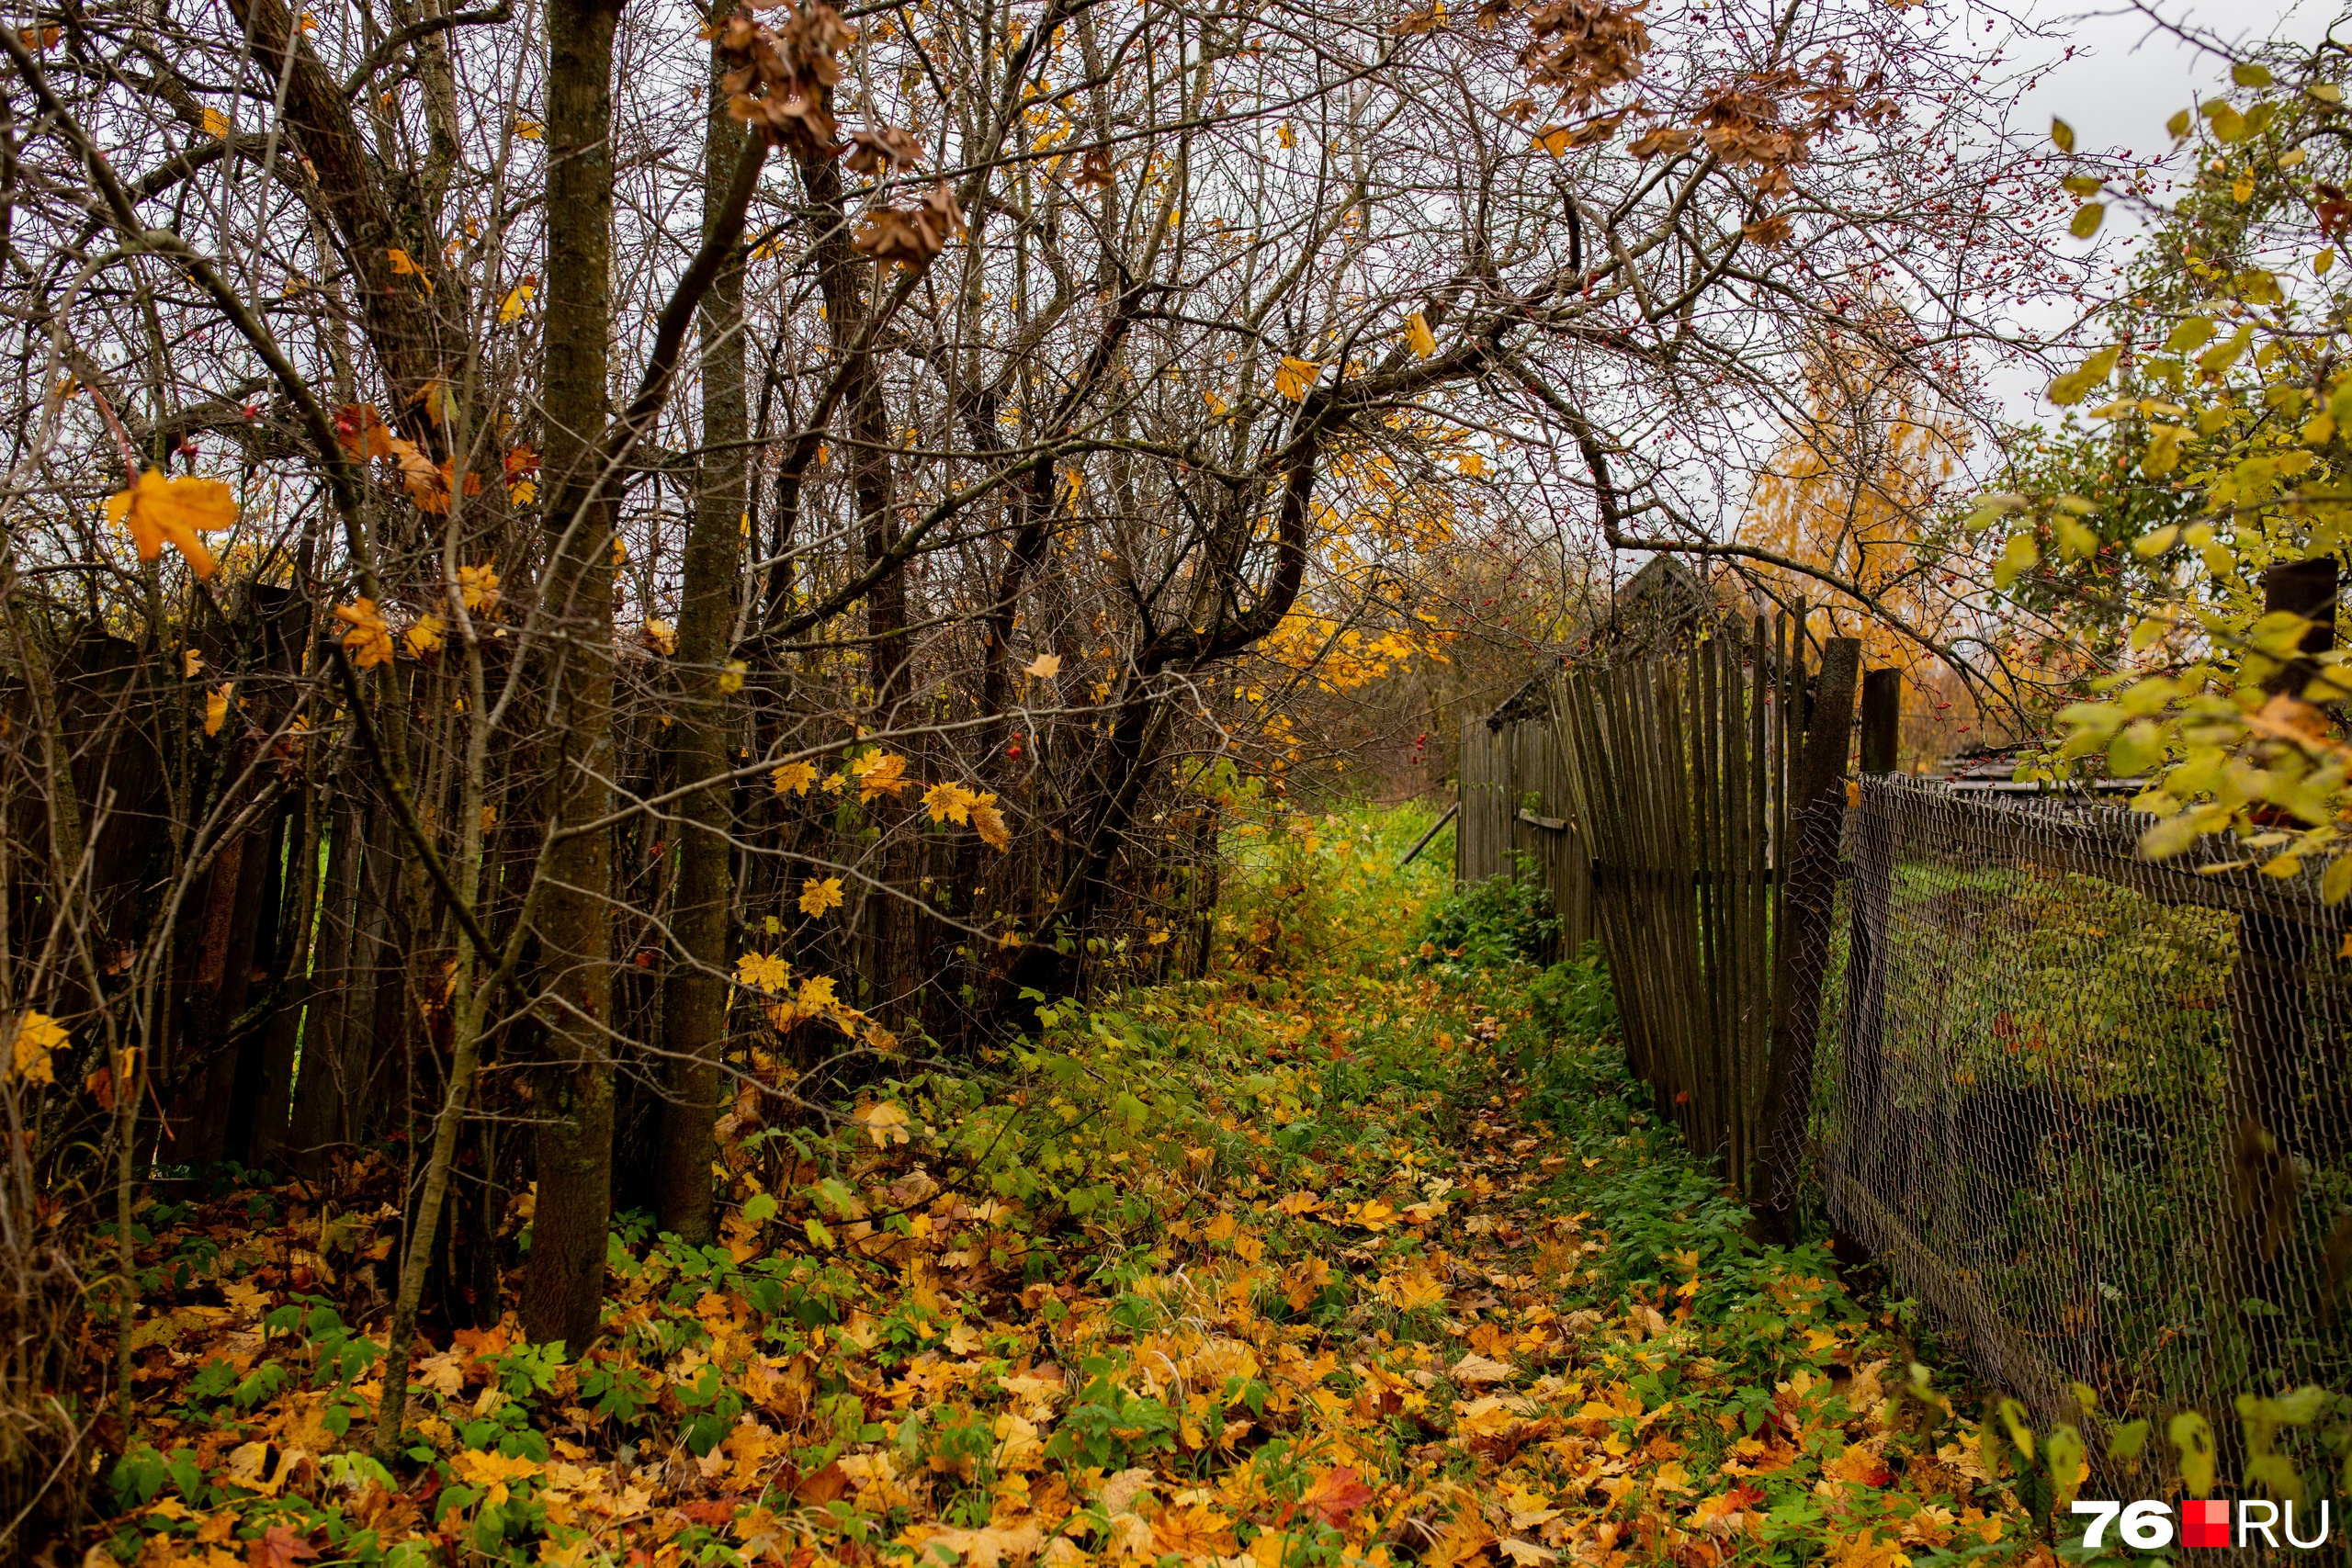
column 1515, row 803
column 1680, row 771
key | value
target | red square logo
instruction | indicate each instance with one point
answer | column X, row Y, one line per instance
column 2205, row 1521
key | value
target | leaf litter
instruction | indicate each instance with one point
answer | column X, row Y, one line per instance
column 1340, row 1257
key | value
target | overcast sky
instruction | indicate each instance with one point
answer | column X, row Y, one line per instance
column 2123, row 81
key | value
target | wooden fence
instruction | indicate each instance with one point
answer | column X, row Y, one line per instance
column 1514, row 804
column 1665, row 803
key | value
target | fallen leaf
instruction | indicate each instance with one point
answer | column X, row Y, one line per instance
column 1336, row 1495
column 1474, row 1369
column 278, row 1547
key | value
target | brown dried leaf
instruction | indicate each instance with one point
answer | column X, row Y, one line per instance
column 1662, row 141
column 912, row 236
column 875, row 152
column 781, row 78
column 1585, row 47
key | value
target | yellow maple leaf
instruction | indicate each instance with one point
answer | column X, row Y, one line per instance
column 661, row 637
column 1471, row 464
column 817, row 995
column 160, row 511
column 404, row 266
column 216, row 707
column 1193, row 1531
column 529, row 129
column 37, row 1035
column 215, row 122
column 769, row 972
column 478, row 587
column 1418, row 333
column 424, row 637
column 1864, row 1549
column 1215, row 403
column 1294, row 377
column 948, row 801
column 793, row 778
column 1044, row 666
column 988, row 823
column 1304, row 1281
column 491, row 1471
column 879, row 774
column 1418, row 1289
column 369, row 640
column 420, row 476
column 510, row 310
column 818, row 894
column 885, row 1124
column 731, row 679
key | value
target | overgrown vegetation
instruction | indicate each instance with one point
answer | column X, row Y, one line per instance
column 1491, row 924
column 1359, row 1259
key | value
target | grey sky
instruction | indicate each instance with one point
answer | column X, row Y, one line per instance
column 2123, row 80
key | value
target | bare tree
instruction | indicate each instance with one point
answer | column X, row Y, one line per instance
column 447, row 706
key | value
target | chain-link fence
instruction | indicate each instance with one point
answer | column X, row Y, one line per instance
column 2090, row 1110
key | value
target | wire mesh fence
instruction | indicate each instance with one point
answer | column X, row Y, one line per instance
column 2090, row 1110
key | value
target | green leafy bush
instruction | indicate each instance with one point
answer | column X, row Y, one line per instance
column 1492, row 924
column 1574, row 997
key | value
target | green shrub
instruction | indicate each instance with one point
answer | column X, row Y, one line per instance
column 1492, row 924
column 1574, row 999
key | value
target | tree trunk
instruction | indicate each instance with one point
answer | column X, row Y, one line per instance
column 563, row 1287
column 695, row 1003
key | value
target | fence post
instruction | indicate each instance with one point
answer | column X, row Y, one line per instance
column 1881, row 720
column 1801, row 950
column 1873, row 840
